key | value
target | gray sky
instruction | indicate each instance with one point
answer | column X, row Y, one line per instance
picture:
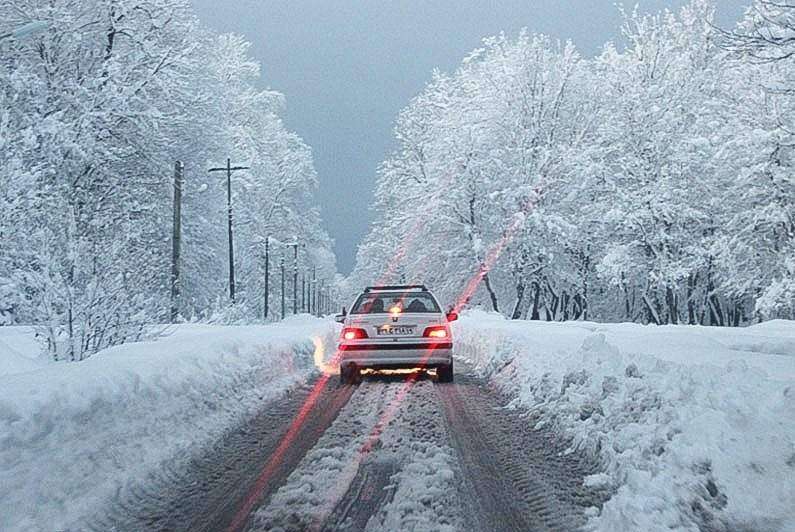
column 348, row 67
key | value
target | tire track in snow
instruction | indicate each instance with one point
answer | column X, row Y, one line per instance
column 390, row 454
column 203, row 493
column 319, row 482
column 368, row 491
column 417, row 455
column 424, row 493
column 517, row 477
column 382, row 465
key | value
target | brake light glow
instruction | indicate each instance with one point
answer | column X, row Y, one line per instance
column 352, row 333
column 439, row 331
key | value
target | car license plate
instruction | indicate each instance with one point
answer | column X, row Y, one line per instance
column 396, row 330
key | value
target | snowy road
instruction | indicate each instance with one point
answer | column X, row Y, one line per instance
column 232, row 428
column 395, row 453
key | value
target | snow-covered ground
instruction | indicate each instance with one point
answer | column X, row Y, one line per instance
column 19, row 350
column 392, row 430
column 73, row 434
column 695, row 426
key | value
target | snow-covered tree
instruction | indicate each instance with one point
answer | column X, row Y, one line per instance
column 652, row 182
column 762, row 244
column 93, row 113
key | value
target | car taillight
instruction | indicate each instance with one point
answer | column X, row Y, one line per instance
column 439, row 331
column 351, row 333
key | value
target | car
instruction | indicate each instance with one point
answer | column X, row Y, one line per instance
column 394, row 327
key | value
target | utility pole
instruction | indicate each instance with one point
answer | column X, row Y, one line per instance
column 295, row 276
column 282, row 268
column 320, row 298
column 313, row 294
column 267, row 276
column 229, row 169
column 176, row 240
column 303, row 291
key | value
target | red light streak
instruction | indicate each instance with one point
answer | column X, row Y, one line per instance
column 494, row 253
column 491, row 259
column 471, row 286
column 352, row 468
column 276, row 458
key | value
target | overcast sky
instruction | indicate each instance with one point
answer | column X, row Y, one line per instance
column 347, row 68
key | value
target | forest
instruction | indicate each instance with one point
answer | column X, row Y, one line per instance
column 95, row 112
column 652, row 183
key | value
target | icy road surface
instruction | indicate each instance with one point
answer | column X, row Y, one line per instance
column 398, row 452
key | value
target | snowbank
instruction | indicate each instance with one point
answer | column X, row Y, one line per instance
column 19, row 350
column 71, row 435
column 695, row 426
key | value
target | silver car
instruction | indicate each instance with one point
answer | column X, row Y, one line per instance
column 390, row 327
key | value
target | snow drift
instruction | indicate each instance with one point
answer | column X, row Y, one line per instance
column 695, row 426
column 19, row 350
column 71, row 435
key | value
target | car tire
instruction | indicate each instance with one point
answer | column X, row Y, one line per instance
column 445, row 373
column 350, row 374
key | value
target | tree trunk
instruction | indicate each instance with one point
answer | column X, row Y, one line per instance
column 625, row 291
column 654, row 316
column 691, row 307
column 738, row 314
column 70, row 325
column 584, row 297
column 577, row 307
column 536, row 297
column 553, row 315
column 715, row 311
column 673, row 311
column 627, row 307
column 492, row 295
column 176, row 241
column 517, row 309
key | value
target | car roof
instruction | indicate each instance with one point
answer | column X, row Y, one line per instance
column 396, row 288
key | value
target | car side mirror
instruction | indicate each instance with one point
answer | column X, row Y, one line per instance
column 452, row 315
column 340, row 318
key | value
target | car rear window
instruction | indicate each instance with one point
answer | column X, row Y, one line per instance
column 381, row 302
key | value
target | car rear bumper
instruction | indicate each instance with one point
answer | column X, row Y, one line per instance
column 392, row 355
